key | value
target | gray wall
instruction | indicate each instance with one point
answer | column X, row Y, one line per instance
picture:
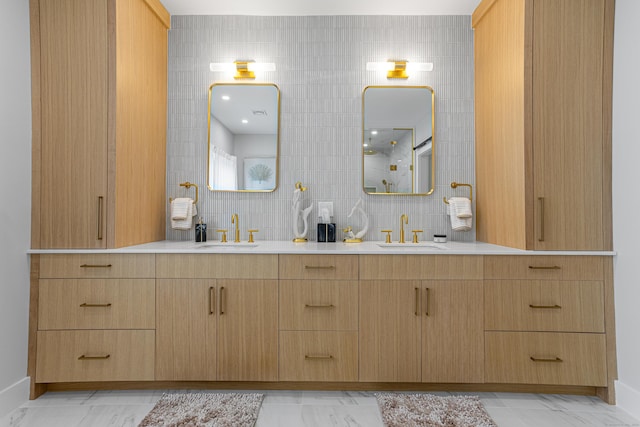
column 320, row 62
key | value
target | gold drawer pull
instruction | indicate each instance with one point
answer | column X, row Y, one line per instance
column 319, row 306
column 83, row 357
column 550, row 267
column 417, row 311
column 545, row 306
column 212, row 300
column 222, row 301
column 95, row 266
column 426, row 311
column 319, row 267
column 555, row 360
column 84, row 304
column 317, row 357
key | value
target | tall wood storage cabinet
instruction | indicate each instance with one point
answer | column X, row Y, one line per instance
column 99, row 101
column 543, row 78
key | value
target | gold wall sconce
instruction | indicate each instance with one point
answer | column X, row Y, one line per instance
column 245, row 70
column 399, row 69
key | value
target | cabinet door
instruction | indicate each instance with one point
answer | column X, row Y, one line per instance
column 185, row 330
column 452, row 331
column 248, row 330
column 389, row 331
column 73, row 107
column 568, row 132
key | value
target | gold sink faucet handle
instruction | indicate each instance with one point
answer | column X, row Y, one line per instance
column 388, row 239
column 251, row 235
column 404, row 219
column 224, row 235
column 415, row 235
column 236, row 221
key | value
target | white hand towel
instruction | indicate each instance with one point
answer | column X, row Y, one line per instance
column 458, row 224
column 187, row 222
column 180, row 208
column 462, row 206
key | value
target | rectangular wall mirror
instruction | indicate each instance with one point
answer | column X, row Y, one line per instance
column 397, row 140
column 244, row 135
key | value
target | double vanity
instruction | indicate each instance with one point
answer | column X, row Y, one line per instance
column 455, row 316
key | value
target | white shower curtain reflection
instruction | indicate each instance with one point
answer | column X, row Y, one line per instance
column 223, row 168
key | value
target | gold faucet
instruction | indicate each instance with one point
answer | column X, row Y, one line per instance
column 236, row 221
column 404, row 219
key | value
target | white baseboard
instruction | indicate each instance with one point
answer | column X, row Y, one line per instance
column 14, row 396
column 628, row 399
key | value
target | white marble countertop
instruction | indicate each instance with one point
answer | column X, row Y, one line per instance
column 288, row 247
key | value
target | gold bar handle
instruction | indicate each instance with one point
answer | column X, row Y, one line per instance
column 541, row 203
column 426, row 311
column 212, row 300
column 319, row 267
column 547, row 267
column 545, row 306
column 83, row 357
column 84, row 304
column 222, row 300
column 95, row 266
column 319, row 306
column 417, row 311
column 100, row 215
column 317, row 357
column 554, row 360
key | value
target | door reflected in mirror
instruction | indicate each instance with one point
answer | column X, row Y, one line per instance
column 243, row 137
column 398, row 145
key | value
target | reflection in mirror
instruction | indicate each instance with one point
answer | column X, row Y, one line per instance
column 243, row 137
column 397, row 147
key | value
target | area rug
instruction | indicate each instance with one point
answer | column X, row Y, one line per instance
column 205, row 410
column 428, row 410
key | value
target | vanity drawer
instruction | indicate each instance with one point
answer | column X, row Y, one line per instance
column 97, row 266
column 319, row 356
column 545, row 358
column 219, row 266
column 542, row 267
column 325, row 267
column 116, row 355
column 544, row 305
column 318, row 305
column 416, row 267
column 96, row 304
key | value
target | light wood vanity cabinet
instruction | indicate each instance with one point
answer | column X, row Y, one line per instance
column 217, row 317
column 318, row 338
column 99, row 102
column 421, row 319
column 543, row 81
column 545, row 320
column 95, row 318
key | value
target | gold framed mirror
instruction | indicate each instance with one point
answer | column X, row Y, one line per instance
column 243, row 137
column 398, row 146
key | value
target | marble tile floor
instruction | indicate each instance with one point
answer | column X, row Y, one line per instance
column 310, row 409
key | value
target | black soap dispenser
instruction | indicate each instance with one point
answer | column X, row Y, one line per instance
column 201, row 231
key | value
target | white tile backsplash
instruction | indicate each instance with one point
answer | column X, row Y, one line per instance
column 321, row 74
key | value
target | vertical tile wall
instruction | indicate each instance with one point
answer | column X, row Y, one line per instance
column 321, row 73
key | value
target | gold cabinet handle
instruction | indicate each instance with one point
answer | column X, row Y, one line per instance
column 319, row 306
column 319, row 267
column 95, row 265
column 83, row 357
column 554, row 360
column 541, row 203
column 212, row 300
column 426, row 310
column 555, row 306
column 100, row 215
column 318, row 357
column 85, row 304
column 417, row 311
column 545, row 267
column 222, row 300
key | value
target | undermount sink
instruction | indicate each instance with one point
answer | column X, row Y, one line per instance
column 412, row 246
column 226, row 245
